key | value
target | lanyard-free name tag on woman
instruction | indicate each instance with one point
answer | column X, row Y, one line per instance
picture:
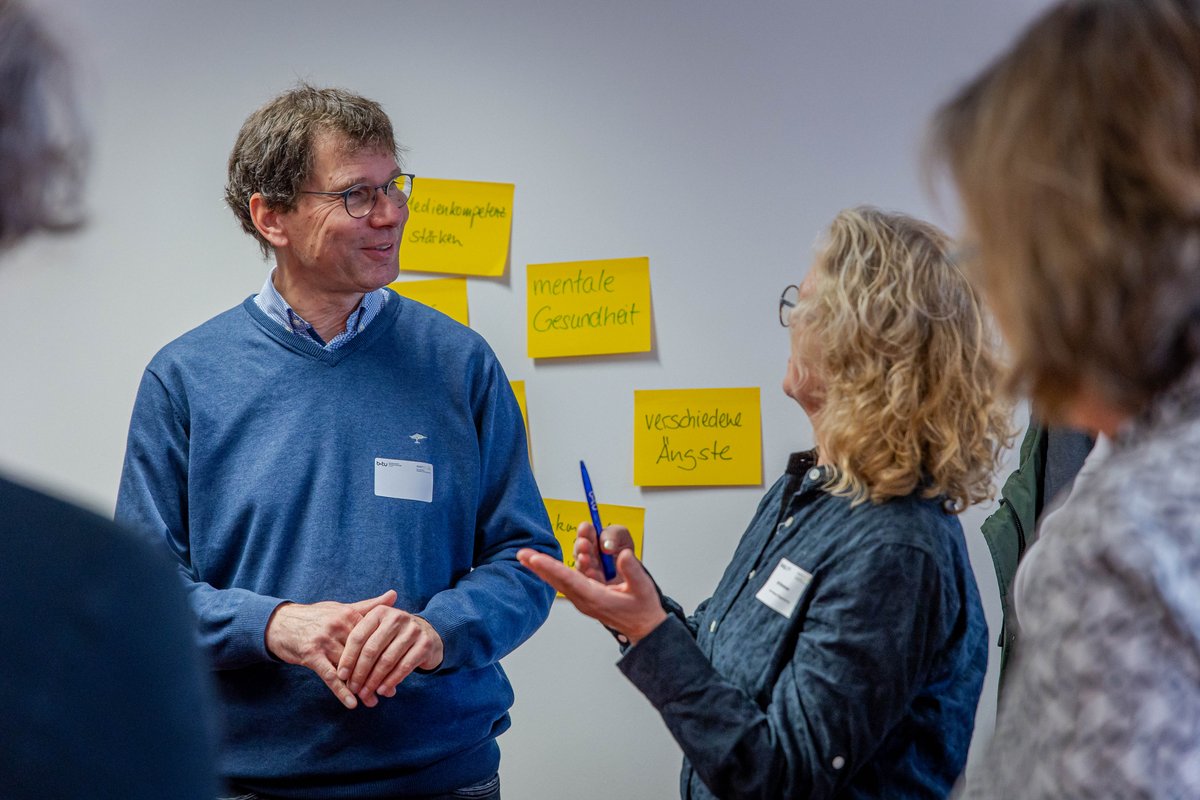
column 785, row 587
column 404, row 480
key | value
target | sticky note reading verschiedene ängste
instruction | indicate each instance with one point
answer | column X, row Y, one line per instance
column 697, row 437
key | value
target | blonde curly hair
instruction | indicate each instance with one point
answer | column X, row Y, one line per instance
column 909, row 364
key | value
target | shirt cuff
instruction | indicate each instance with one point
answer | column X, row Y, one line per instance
column 666, row 663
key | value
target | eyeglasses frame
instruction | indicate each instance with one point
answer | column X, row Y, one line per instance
column 345, row 193
column 784, row 303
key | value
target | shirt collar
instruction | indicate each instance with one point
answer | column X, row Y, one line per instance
column 274, row 306
column 805, row 472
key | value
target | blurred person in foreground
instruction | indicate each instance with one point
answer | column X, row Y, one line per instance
column 103, row 694
column 1076, row 157
column 843, row 652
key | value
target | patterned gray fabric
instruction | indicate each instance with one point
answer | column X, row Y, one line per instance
column 1104, row 697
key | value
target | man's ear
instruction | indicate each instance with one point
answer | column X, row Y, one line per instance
column 267, row 221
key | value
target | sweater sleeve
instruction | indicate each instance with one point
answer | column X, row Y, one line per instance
column 153, row 498
column 496, row 606
column 866, row 647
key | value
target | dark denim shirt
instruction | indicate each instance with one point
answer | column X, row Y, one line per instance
column 867, row 690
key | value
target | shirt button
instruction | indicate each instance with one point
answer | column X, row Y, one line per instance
column 838, row 762
column 752, row 572
column 712, row 626
column 814, row 474
column 788, row 521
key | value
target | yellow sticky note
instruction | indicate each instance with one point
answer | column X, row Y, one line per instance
column 460, row 227
column 697, row 437
column 447, row 295
column 518, row 388
column 587, row 308
column 565, row 516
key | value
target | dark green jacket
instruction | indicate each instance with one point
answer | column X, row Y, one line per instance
column 1050, row 459
column 1012, row 528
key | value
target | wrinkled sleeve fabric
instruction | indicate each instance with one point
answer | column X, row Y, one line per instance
column 499, row 604
column 153, row 498
column 860, row 656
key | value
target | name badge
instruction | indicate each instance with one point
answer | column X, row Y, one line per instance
column 785, row 587
column 404, row 480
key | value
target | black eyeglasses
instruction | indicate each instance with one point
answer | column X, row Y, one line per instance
column 359, row 199
column 787, row 302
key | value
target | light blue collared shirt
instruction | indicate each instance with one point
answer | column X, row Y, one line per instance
column 275, row 307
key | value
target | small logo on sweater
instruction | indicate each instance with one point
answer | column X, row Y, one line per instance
column 418, row 437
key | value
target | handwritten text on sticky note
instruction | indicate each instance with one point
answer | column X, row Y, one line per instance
column 447, row 295
column 586, row 308
column 459, row 227
column 697, row 437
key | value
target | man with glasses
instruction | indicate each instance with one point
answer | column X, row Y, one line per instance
column 342, row 475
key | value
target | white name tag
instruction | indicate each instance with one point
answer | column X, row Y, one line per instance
column 404, row 480
column 785, row 587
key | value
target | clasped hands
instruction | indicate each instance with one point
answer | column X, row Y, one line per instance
column 628, row 604
column 361, row 650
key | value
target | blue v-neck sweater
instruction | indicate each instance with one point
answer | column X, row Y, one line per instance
column 255, row 454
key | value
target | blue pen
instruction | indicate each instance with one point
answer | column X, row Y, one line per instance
column 606, row 561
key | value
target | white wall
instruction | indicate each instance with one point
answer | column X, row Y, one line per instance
column 717, row 138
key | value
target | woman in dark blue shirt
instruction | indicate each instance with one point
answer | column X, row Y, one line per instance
column 843, row 652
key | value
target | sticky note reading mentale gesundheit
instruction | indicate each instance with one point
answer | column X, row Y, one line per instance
column 587, row 308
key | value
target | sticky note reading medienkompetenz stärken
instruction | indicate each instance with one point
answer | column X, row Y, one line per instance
column 565, row 516
column 458, row 227
column 697, row 437
column 588, row 308
column 447, row 295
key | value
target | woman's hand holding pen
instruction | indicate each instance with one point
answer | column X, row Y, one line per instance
column 587, row 560
column 628, row 604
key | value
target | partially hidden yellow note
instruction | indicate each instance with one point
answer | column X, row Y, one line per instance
column 565, row 516
column 587, row 308
column 697, row 437
column 518, row 388
column 458, row 227
column 447, row 295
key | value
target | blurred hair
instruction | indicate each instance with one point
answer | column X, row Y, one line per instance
column 908, row 362
column 1077, row 159
column 42, row 140
column 274, row 151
